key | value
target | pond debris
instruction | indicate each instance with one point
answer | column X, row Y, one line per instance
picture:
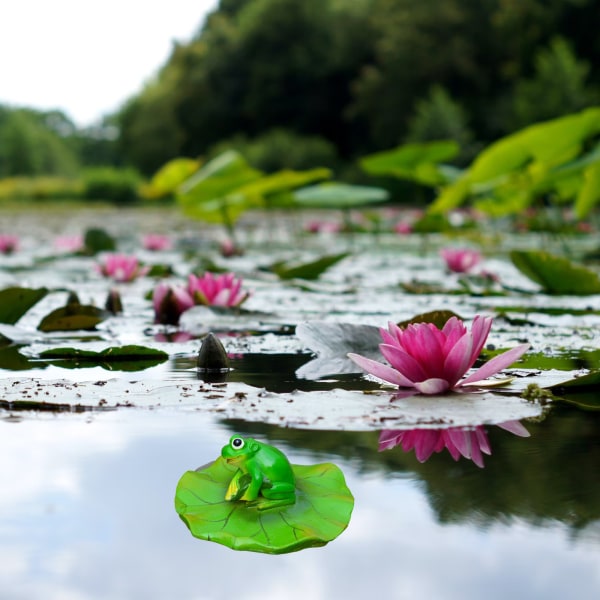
column 534, row 393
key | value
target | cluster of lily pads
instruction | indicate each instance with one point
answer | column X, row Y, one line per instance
column 432, row 354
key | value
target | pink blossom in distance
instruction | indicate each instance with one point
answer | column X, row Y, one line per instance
column 69, row 243
column 122, row 267
column 403, row 228
column 471, row 443
column 156, row 242
column 216, row 290
column 8, row 243
column 432, row 360
column 460, row 260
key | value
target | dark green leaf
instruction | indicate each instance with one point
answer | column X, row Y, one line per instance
column 72, row 318
column 556, row 275
column 437, row 317
column 309, row 270
column 16, row 301
column 97, row 240
column 120, row 358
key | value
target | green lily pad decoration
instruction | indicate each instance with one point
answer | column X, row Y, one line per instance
column 72, row 317
column 556, row 275
column 16, row 301
column 321, row 512
column 115, row 358
column 309, row 270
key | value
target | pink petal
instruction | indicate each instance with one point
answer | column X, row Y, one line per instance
column 480, row 331
column 380, row 370
column 428, row 349
column 460, row 440
column 389, row 438
column 482, row 440
column 453, row 330
column 515, row 427
column 496, row 364
column 432, row 386
column 458, row 359
column 426, row 443
column 403, row 362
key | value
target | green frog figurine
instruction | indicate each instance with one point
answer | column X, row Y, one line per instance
column 264, row 478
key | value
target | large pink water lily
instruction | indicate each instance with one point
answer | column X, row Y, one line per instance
column 471, row 443
column 216, row 290
column 122, row 267
column 431, row 360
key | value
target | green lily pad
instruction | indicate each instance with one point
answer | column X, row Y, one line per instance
column 308, row 270
column 97, row 240
column 16, row 301
column 72, row 317
column 437, row 317
column 556, row 275
column 120, row 358
column 322, row 510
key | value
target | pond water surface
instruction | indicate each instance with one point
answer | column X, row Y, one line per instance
column 87, row 503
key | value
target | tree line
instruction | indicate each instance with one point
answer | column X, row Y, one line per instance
column 322, row 82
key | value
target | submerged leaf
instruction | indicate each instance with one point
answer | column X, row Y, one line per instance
column 556, row 275
column 321, row 512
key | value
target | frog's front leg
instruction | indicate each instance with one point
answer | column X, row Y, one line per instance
column 237, row 486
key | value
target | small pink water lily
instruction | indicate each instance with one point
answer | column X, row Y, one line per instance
column 460, row 260
column 216, row 290
column 8, row 243
column 156, row 242
column 432, row 361
column 170, row 301
column 122, row 267
column 69, row 243
column 471, row 443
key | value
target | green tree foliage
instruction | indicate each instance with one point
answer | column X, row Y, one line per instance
column 437, row 117
column 256, row 66
column 28, row 147
column 280, row 149
column 558, row 86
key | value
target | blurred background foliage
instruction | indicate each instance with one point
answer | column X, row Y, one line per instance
column 296, row 85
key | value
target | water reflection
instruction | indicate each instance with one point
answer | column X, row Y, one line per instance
column 86, row 511
column 471, row 443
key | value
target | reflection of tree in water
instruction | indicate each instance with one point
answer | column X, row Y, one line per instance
column 553, row 475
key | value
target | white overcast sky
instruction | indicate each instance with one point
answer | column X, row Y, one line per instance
column 86, row 58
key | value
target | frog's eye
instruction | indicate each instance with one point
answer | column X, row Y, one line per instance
column 237, row 443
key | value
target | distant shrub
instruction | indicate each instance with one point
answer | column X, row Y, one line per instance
column 40, row 188
column 282, row 149
column 110, row 184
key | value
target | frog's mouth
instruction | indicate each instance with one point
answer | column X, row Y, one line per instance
column 233, row 460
